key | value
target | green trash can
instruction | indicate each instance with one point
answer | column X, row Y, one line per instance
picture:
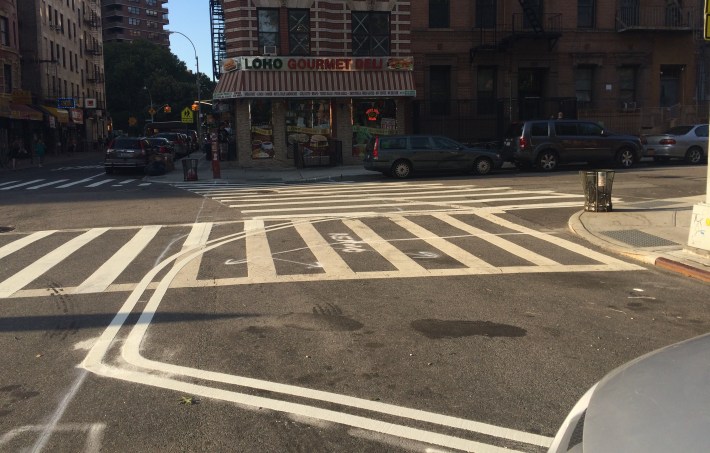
column 597, row 189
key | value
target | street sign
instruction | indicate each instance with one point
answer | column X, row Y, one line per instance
column 187, row 115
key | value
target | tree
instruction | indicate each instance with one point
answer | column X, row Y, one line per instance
column 131, row 66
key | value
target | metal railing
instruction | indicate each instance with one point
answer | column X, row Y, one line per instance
column 670, row 17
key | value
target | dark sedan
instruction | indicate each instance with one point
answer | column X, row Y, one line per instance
column 128, row 152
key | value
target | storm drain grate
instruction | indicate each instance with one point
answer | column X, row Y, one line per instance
column 638, row 238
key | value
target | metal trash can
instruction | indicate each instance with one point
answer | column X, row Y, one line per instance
column 189, row 169
column 597, row 189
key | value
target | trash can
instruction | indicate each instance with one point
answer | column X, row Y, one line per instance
column 189, row 169
column 597, row 189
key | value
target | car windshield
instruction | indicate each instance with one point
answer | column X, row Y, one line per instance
column 679, row 130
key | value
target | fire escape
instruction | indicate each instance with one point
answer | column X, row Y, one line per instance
column 219, row 44
column 93, row 51
column 529, row 25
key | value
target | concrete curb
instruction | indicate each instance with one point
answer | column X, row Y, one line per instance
column 684, row 269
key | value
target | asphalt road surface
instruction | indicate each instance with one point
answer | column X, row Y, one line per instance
column 437, row 314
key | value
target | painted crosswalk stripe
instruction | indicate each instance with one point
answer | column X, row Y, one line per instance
column 259, row 262
column 8, row 182
column 96, row 184
column 22, row 184
column 90, row 178
column 47, row 184
column 42, row 265
column 328, row 258
column 14, row 246
column 114, row 266
column 199, row 234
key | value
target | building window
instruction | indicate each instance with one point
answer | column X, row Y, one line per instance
column 535, row 8
column 151, row 12
column 150, row 2
column 299, row 32
column 486, row 13
column 439, row 90
column 134, row 21
column 585, row 13
column 4, row 31
column 627, row 84
column 134, row 10
column 268, row 28
column 439, row 13
column 7, row 75
column 486, row 90
column 371, row 33
column 583, row 83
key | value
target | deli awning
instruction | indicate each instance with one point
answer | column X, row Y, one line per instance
column 308, row 84
column 61, row 115
column 24, row 112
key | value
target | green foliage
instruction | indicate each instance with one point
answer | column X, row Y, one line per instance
column 131, row 66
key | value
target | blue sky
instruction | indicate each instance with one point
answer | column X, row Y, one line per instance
column 191, row 17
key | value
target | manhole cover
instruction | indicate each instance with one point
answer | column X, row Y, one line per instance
column 638, row 238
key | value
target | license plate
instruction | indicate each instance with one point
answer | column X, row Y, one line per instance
column 125, row 155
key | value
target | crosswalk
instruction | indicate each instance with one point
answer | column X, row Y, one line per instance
column 431, row 244
column 279, row 200
column 91, row 182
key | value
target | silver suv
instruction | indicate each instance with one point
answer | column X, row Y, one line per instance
column 546, row 144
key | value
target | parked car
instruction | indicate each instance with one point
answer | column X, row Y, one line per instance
column 179, row 142
column 657, row 403
column 163, row 145
column 545, row 144
column 128, row 152
column 402, row 155
column 689, row 143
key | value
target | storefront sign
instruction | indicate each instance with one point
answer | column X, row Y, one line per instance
column 77, row 116
column 90, row 103
column 66, row 103
column 318, row 64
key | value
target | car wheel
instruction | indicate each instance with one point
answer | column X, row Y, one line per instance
column 109, row 170
column 694, row 155
column 625, row 158
column 483, row 166
column 547, row 160
column 401, row 169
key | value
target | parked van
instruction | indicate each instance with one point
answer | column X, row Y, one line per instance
column 545, row 144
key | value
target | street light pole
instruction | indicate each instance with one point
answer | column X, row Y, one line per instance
column 152, row 110
column 199, row 103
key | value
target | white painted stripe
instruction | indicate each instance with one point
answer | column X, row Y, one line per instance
column 144, row 184
column 359, row 191
column 46, row 184
column 328, row 258
column 78, row 182
column 8, row 182
column 331, row 188
column 391, row 253
column 114, row 266
column 126, row 181
column 27, row 183
column 496, row 240
column 445, row 246
column 96, row 184
column 259, row 260
column 199, row 234
column 42, row 265
column 14, row 246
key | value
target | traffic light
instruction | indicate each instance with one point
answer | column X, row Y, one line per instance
column 195, row 107
column 167, row 109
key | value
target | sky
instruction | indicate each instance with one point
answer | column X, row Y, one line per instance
column 191, row 17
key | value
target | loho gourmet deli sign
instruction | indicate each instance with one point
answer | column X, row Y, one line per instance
column 318, row 64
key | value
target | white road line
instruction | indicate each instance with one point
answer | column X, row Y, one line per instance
column 42, row 265
column 259, row 258
column 96, row 184
column 391, row 253
column 331, row 261
column 498, row 241
column 360, row 191
column 454, row 251
column 126, row 181
column 90, row 178
column 8, row 182
column 199, row 234
column 14, row 246
column 46, row 184
column 27, row 183
column 114, row 266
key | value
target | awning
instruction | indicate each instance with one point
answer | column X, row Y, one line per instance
column 329, row 84
column 24, row 112
column 59, row 114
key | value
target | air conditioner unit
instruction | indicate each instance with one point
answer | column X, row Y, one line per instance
column 269, row 51
column 629, row 106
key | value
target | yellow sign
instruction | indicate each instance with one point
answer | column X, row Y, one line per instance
column 187, row 115
column 707, row 20
column 132, row 121
column 151, row 111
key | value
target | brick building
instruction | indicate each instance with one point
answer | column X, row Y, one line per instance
column 127, row 20
column 634, row 65
column 307, row 82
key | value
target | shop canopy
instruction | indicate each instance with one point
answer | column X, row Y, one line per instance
column 308, row 84
column 24, row 112
column 61, row 115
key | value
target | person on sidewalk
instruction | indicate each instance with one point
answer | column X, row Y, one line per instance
column 40, row 150
column 18, row 151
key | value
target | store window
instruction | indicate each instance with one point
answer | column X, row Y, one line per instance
column 372, row 117
column 370, row 33
column 308, row 127
column 299, row 32
column 262, row 131
column 268, row 27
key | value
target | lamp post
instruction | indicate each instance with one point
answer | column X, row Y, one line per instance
column 152, row 110
column 199, row 103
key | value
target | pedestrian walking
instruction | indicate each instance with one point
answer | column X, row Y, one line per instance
column 40, row 151
column 18, row 151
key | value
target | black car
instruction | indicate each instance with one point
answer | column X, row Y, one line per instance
column 128, row 152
